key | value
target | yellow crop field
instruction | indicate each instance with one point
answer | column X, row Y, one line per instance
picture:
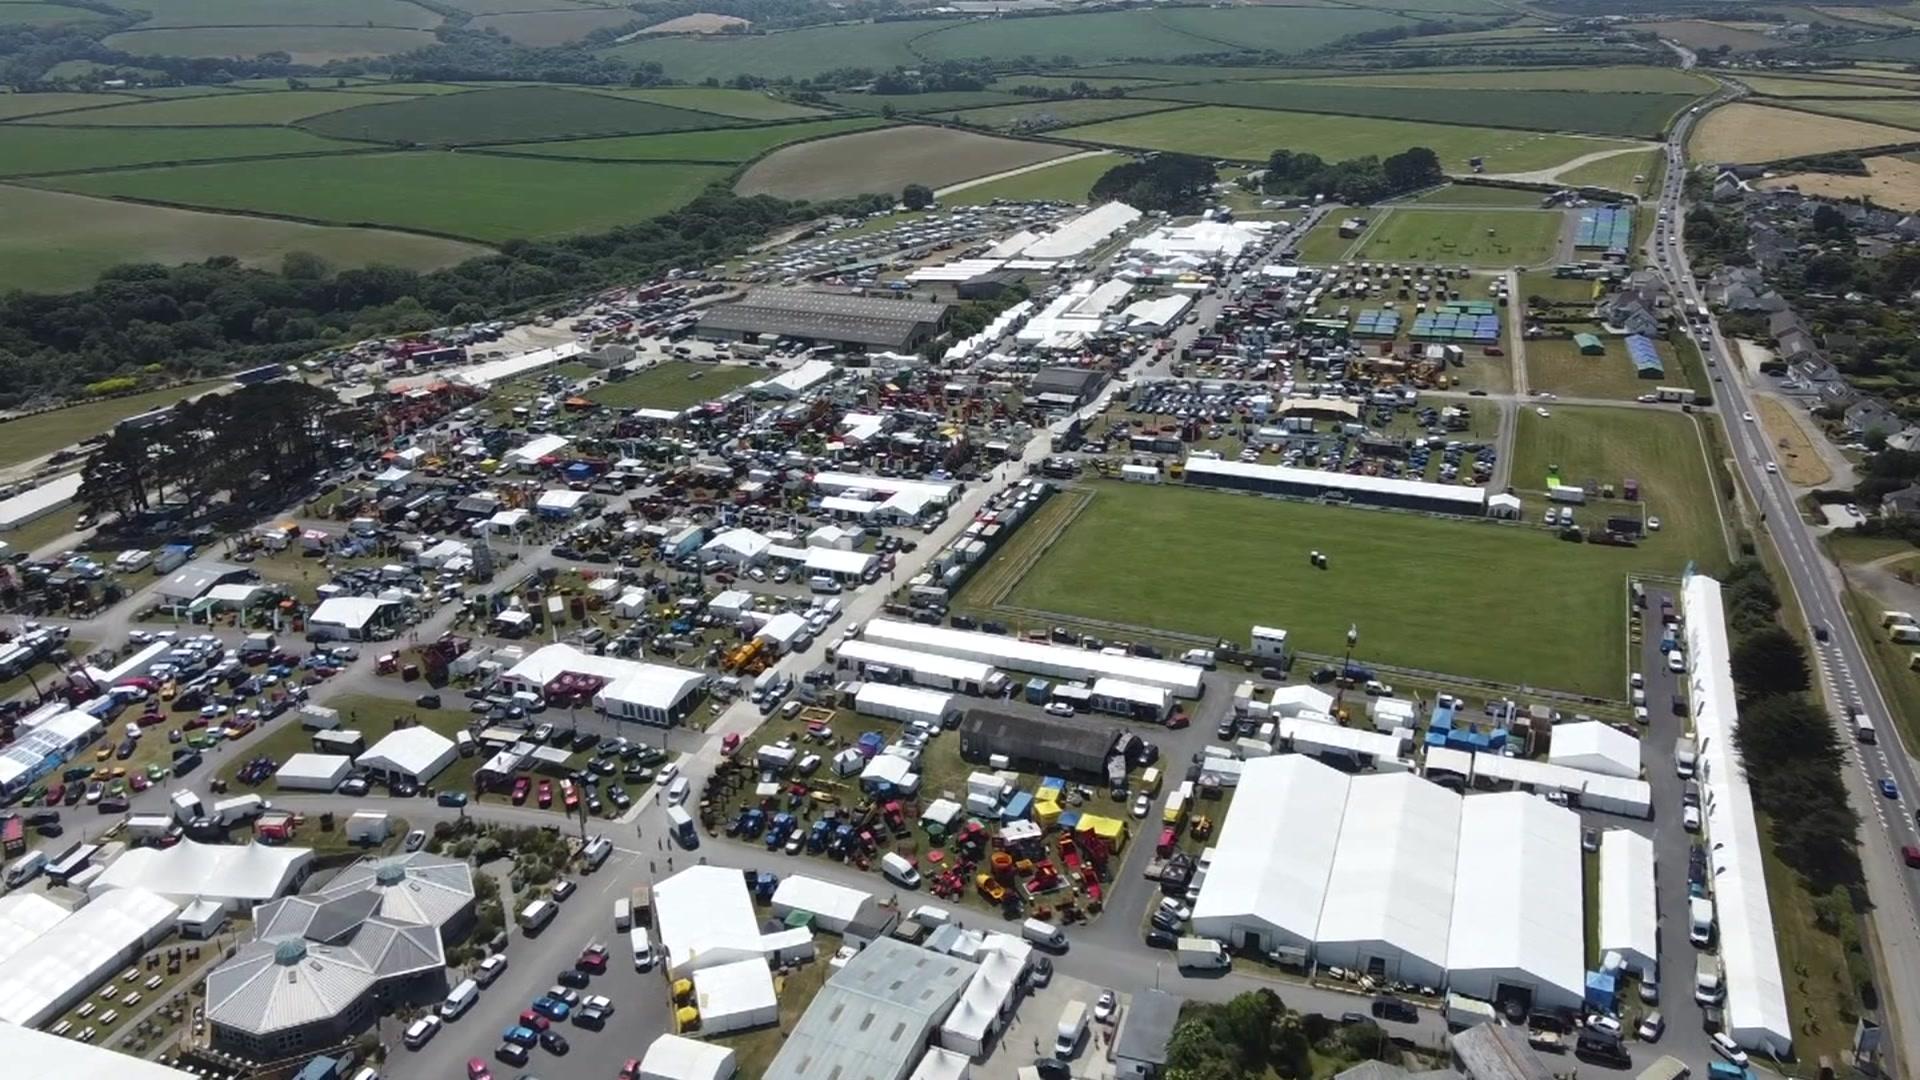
column 1751, row 133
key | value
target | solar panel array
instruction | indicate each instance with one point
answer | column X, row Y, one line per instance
column 1459, row 320
column 1377, row 324
column 1605, row 228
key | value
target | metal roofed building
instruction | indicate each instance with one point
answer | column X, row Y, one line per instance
column 316, row 972
column 416, row 887
column 1518, row 928
column 196, row 579
column 1496, row 1052
column 1066, row 746
column 36, row 1053
column 1140, row 1046
column 872, row 1018
column 1037, row 658
column 351, row 618
column 1629, row 917
column 36, row 503
column 52, row 972
column 1318, row 484
column 238, row 876
column 1647, row 363
column 831, row 318
column 1268, row 880
column 1756, row 1004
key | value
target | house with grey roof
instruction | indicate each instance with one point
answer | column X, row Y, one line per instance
column 1140, row 1046
column 1871, row 414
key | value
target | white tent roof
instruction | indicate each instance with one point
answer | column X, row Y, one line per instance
column 82, row 949
column 736, row 995
column 535, row 449
column 942, row 1064
column 1393, row 878
column 705, row 918
column 676, row 1057
column 23, row 917
column 249, row 873
column 36, row 1053
column 415, row 751
column 352, row 612
column 1518, row 893
column 1276, row 850
column 1594, row 746
column 1036, row 657
column 314, row 769
column 797, row 892
column 1629, row 917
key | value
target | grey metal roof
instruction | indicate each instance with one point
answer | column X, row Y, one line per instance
column 417, row 887
column 1147, row 1026
column 1038, row 738
column 823, row 316
column 1496, row 1052
column 871, row 1020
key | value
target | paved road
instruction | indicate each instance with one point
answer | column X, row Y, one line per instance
column 1842, row 662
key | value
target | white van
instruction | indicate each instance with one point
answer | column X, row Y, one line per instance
column 535, row 916
column 24, row 868
column 899, row 871
column 1072, row 1029
column 623, row 914
column 460, row 1000
column 677, row 791
column 596, row 852
column 821, row 583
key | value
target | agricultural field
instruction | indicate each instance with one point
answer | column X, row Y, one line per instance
column 1069, row 181
column 29, row 150
column 1905, row 49
column 1702, row 34
column 42, row 433
column 410, row 191
column 1186, row 73
column 1067, row 82
column 1886, row 72
column 674, row 386
column 494, row 7
column 30, row 14
column 1634, row 80
column 1892, row 181
column 1555, row 364
column 304, row 44
column 1768, row 86
column 1661, row 448
column 1253, row 134
column 919, row 104
column 283, row 107
column 1152, row 35
column 544, row 28
column 1414, row 585
column 1616, row 173
column 512, row 115
column 1598, row 113
column 1743, row 132
column 887, row 161
column 796, row 54
column 739, row 104
column 1475, row 238
column 703, row 23
column 1050, row 115
column 17, row 105
column 1475, row 195
column 726, row 144
column 278, row 13
column 1898, row 112
column 54, row 242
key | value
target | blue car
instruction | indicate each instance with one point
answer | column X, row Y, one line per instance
column 551, row 1007
column 453, row 798
column 520, row 1036
column 1888, row 789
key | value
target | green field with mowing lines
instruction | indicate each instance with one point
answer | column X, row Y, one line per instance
column 305, row 44
column 25, row 150
column 674, row 386
column 255, row 108
column 1658, row 447
column 797, row 54
column 14, row 105
column 1415, row 585
column 1547, row 110
column 411, row 191
column 1050, row 115
column 1638, row 80
column 919, row 104
column 1475, row 195
column 175, row 13
column 728, row 144
column 741, row 104
column 512, row 115
column 1899, row 112
column 1323, row 243
column 1069, row 181
column 888, row 159
column 42, row 433
column 1617, row 173
column 1820, row 88
column 51, row 241
column 1253, row 135
column 1473, row 237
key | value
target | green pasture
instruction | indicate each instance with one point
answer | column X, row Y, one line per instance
column 305, row 44
column 674, row 385
column 264, row 107
column 1599, row 113
column 741, row 104
column 515, row 114
column 726, row 144
column 26, row 150
column 1069, row 181
column 1496, row 238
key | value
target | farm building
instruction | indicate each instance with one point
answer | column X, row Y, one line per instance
column 313, row 772
column 873, row 1018
column 1629, row 917
column 1647, row 363
column 1301, row 864
column 1604, row 228
column 857, row 322
column 1756, row 1002
column 351, row 618
column 1037, row 658
column 1070, row 387
column 880, row 662
column 415, row 887
column 1042, row 742
column 1589, row 344
column 1422, row 495
column 195, row 580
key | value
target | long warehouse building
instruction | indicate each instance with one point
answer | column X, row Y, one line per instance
column 1756, row 1005
column 1037, row 658
column 1322, row 484
column 826, row 318
column 873, row 661
column 1393, row 876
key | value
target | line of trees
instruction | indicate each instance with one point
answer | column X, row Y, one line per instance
column 1355, row 180
column 1175, row 183
column 1255, row 1035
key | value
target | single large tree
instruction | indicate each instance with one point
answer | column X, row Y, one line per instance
column 917, row 196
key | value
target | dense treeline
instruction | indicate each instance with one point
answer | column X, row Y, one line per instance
column 1175, row 183
column 1255, row 1035
column 1356, row 180
column 219, row 316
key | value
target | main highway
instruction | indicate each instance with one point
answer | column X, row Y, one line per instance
column 1846, row 678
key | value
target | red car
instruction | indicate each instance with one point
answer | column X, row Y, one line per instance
column 1177, row 721
column 520, row 787
column 148, row 719
column 55, row 794
column 1911, row 854
column 569, row 794
column 629, row 1071
column 731, row 743
column 592, row 958
column 535, row 1020
column 546, row 794
column 477, row 1070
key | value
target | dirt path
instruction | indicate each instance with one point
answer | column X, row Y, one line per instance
column 1548, row 176
column 1035, row 167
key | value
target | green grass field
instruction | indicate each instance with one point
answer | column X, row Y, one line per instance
column 412, row 191
column 1599, row 113
column 1617, row 173
column 305, row 44
column 1049, row 115
column 542, row 29
column 1065, row 82
column 1476, row 195
column 26, row 15
column 668, row 386
column 888, row 159
column 25, row 150
column 727, row 144
column 1556, row 364
column 1638, row 80
column 51, row 241
column 516, row 114
column 1253, row 135
column 1899, row 112
column 265, row 107
column 1473, row 237
column 36, row 436
column 15, row 105
column 923, row 103
column 1323, row 243
column 1068, row 181
column 195, row 13
column 1660, row 448
column 741, row 104
column 1820, row 88
column 1416, row 586
column 795, row 53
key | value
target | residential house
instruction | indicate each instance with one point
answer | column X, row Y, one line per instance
column 1903, row 503
column 1871, row 414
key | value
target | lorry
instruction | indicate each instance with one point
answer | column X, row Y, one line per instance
column 23, row 869
column 1201, row 954
column 642, row 902
column 1464, row 1012
column 1699, row 921
column 1072, row 1029
column 229, row 812
column 1044, row 934
column 1863, row 728
column 680, row 823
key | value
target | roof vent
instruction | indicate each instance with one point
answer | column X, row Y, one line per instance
column 290, row 952
column 390, row 874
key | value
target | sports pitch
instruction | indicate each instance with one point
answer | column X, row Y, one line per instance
column 1421, row 589
column 1474, row 237
column 673, row 386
